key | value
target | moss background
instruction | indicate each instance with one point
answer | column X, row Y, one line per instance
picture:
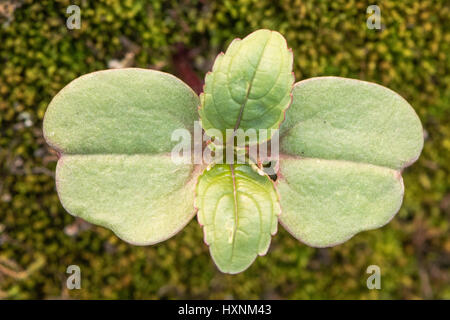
column 39, row 55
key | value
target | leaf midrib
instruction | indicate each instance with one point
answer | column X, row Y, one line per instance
column 247, row 94
column 236, row 218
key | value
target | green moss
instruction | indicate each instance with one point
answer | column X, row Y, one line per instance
column 39, row 55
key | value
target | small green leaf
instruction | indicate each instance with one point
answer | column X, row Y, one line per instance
column 250, row 85
column 326, row 202
column 238, row 209
column 355, row 137
column 114, row 129
column 144, row 199
column 125, row 111
column 347, row 119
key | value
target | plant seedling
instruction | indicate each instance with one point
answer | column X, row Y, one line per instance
column 342, row 146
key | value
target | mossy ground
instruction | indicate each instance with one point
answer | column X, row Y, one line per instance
column 39, row 55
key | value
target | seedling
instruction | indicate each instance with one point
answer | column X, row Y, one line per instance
column 342, row 146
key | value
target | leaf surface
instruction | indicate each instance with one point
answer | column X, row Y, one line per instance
column 345, row 142
column 144, row 199
column 238, row 209
column 346, row 119
column 124, row 111
column 114, row 129
column 326, row 202
column 250, row 85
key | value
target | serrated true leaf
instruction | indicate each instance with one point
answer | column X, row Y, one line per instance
column 250, row 85
column 238, row 209
column 114, row 129
column 347, row 141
